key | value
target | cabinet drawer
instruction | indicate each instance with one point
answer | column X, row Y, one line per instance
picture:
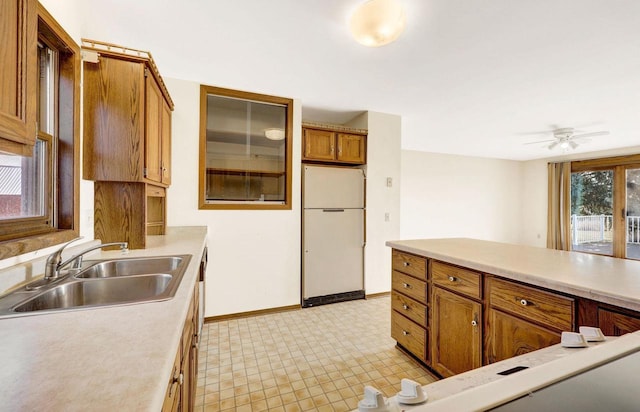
column 539, row 306
column 155, row 191
column 409, row 286
column 409, row 308
column 409, row 264
column 408, row 334
column 461, row 280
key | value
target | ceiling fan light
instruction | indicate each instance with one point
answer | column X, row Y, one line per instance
column 564, row 145
column 274, row 133
column 377, row 22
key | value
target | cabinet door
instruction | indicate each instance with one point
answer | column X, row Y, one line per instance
column 172, row 396
column 510, row 336
column 318, row 145
column 18, row 65
column 351, row 148
column 153, row 130
column 166, row 143
column 113, row 117
column 457, row 333
column 616, row 324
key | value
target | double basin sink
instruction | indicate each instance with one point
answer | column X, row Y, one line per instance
column 102, row 283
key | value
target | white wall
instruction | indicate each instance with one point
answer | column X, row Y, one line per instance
column 460, row 196
column 66, row 14
column 383, row 161
column 533, row 190
column 254, row 256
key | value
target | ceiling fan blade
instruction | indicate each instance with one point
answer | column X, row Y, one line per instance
column 542, row 141
column 592, row 134
column 581, row 140
column 573, row 144
column 552, row 145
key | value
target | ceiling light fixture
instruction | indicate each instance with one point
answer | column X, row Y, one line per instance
column 274, row 133
column 377, row 22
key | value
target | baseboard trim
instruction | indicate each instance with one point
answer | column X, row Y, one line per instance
column 377, row 295
column 239, row 315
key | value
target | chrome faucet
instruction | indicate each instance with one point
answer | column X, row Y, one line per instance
column 55, row 264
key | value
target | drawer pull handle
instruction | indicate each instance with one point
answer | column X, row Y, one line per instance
column 524, row 302
column 406, row 264
column 453, row 279
column 405, row 307
column 405, row 333
column 407, row 286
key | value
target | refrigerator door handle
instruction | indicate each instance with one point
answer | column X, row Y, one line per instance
column 333, row 210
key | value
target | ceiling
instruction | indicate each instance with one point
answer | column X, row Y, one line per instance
column 469, row 77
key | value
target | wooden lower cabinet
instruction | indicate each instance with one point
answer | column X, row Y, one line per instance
column 509, row 336
column 456, row 327
column 172, row 396
column 181, row 390
column 616, row 324
column 462, row 319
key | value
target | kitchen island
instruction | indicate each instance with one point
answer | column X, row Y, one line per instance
column 101, row 359
column 487, row 301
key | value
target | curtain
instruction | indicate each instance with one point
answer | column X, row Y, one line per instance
column 559, row 204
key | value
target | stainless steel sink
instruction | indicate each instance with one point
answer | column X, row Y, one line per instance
column 129, row 267
column 102, row 283
column 99, row 292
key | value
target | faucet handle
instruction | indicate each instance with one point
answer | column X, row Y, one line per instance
column 54, row 261
column 56, row 257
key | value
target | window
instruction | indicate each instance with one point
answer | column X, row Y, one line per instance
column 605, row 206
column 39, row 193
column 245, row 150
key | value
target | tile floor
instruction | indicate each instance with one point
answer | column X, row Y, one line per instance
column 314, row 359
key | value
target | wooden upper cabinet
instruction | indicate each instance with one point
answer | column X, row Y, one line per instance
column 165, row 143
column 127, row 118
column 318, row 145
column 351, row 148
column 18, row 82
column 153, row 138
column 333, row 147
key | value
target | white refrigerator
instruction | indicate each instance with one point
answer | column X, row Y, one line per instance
column 333, row 235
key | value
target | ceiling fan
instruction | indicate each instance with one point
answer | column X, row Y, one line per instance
column 566, row 138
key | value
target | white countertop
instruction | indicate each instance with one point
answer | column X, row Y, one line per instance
column 105, row 359
column 481, row 389
column 601, row 278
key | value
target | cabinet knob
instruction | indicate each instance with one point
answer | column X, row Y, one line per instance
column 406, row 286
column 405, row 307
column 405, row 264
column 405, row 333
column 474, row 323
column 453, row 278
column 524, row 302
